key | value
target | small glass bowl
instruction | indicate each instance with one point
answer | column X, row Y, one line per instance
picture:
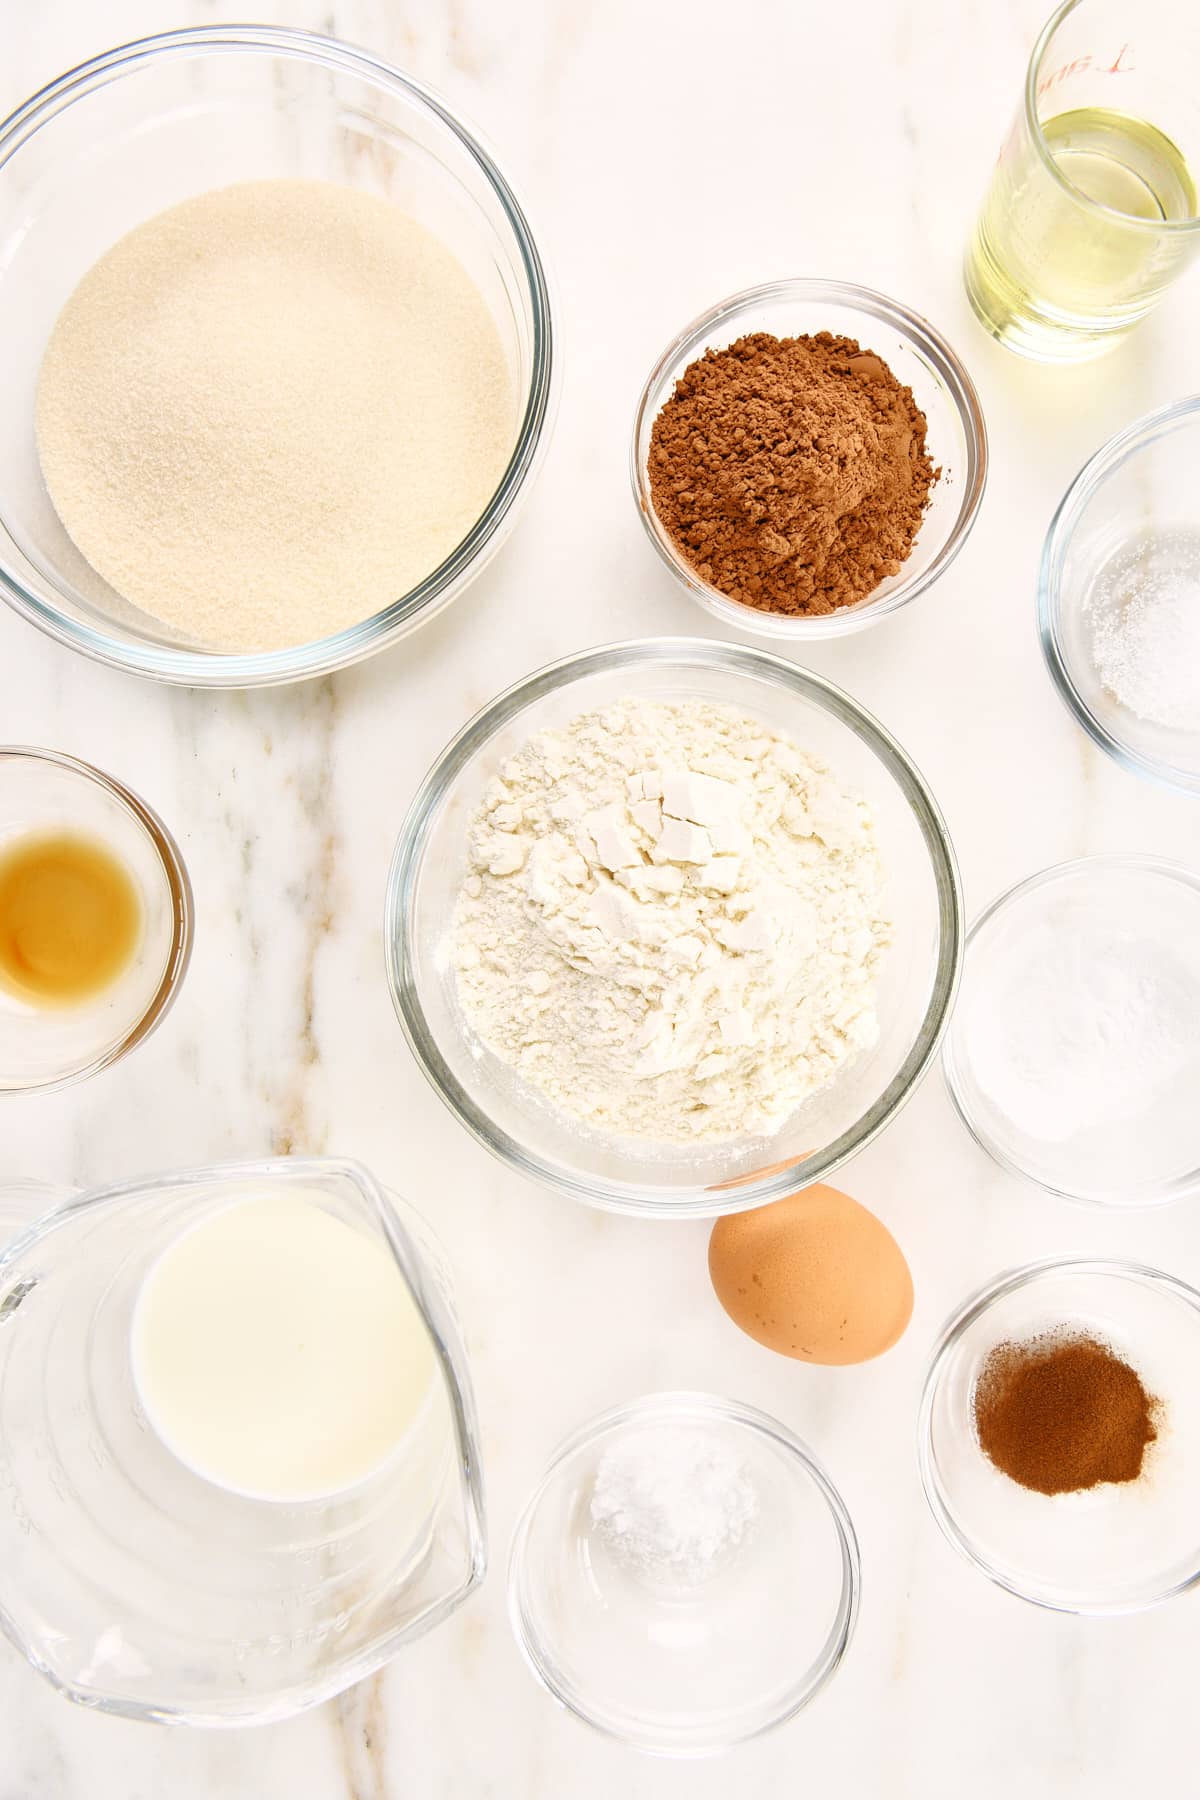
column 147, row 125
column 676, row 1666
column 1140, row 486
column 51, row 1047
column 1115, row 1548
column 1103, row 1149
column 917, row 355
column 917, row 977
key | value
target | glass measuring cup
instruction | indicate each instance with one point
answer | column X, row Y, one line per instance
column 136, row 1586
column 1092, row 209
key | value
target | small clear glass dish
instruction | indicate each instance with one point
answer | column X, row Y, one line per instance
column 1121, row 1127
column 917, row 355
column 50, row 1047
column 917, row 975
column 1135, row 498
column 1114, row 1548
column 676, row 1667
column 142, row 127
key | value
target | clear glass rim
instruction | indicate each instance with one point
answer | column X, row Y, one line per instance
column 1167, row 227
column 699, row 1201
column 216, row 669
column 919, row 332
column 658, row 1408
column 1182, row 1187
column 959, row 1322
column 1107, row 461
column 183, row 915
column 299, row 1698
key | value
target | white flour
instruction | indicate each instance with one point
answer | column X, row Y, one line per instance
column 673, row 921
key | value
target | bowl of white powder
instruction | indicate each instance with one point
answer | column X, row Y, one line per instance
column 277, row 356
column 685, row 1575
column 674, row 926
column 1119, row 597
column 1074, row 1055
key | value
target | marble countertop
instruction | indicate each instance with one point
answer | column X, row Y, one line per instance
column 670, row 154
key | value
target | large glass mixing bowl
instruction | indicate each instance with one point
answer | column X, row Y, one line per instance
column 917, row 977
column 155, row 122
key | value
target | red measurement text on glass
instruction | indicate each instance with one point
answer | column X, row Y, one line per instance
column 1121, row 65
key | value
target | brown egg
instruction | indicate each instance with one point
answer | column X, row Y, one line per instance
column 815, row 1276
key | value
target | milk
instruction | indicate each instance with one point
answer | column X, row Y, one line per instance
column 278, row 1352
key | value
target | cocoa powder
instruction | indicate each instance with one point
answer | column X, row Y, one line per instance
column 791, row 473
column 1063, row 1412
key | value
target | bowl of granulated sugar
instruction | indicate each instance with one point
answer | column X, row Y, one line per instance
column 278, row 356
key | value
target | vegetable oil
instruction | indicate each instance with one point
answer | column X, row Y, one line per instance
column 1064, row 259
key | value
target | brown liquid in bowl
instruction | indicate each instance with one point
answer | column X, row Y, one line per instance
column 70, row 918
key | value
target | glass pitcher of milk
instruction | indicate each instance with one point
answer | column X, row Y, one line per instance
column 239, row 1460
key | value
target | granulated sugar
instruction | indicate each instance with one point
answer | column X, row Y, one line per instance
column 267, row 413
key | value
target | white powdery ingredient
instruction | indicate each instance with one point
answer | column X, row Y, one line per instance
column 1145, row 616
column 672, row 1504
column 672, row 923
column 1082, row 1030
column 268, row 412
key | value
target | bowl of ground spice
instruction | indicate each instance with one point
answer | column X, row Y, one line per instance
column 278, row 360
column 1059, row 1435
column 807, row 457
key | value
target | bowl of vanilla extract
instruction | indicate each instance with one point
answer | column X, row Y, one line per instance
column 95, row 920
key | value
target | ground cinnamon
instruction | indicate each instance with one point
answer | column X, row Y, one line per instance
column 791, row 473
column 1063, row 1412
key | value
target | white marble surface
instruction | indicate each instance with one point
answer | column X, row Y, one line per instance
column 670, row 153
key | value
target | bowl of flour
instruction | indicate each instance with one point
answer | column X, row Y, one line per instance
column 673, row 926
column 279, row 348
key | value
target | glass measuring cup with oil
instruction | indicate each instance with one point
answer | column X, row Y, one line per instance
column 1092, row 209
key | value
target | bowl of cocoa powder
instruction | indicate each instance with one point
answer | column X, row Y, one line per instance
column 1059, row 1437
column 808, row 456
